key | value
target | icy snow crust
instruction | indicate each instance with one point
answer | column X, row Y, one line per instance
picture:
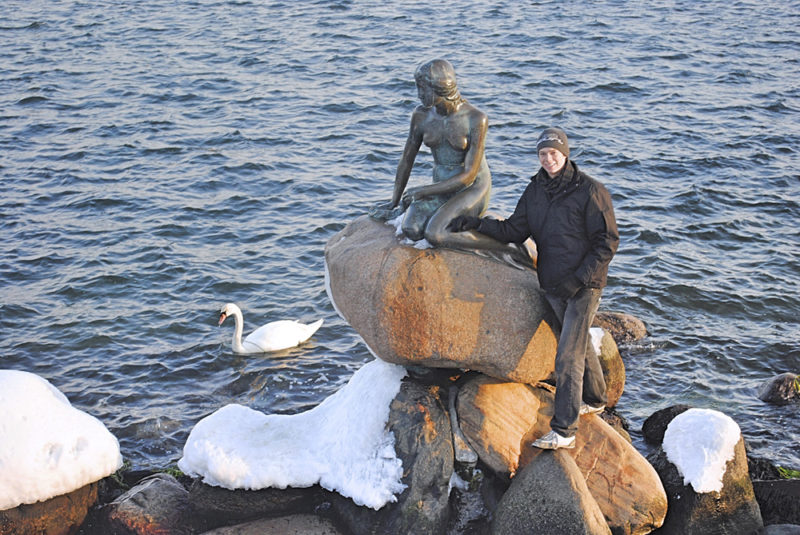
column 342, row 444
column 47, row 447
column 700, row 442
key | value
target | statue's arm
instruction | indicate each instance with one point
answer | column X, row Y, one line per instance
column 410, row 152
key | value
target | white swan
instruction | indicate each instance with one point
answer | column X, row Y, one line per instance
column 274, row 336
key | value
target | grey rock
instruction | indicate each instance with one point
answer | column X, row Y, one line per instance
column 423, row 441
column 656, row 424
column 781, row 390
column 157, row 504
column 549, row 495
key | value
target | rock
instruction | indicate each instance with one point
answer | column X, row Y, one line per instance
column 439, row 307
column 549, row 495
column 500, row 420
column 218, row 506
column 733, row 510
column 623, row 327
column 617, row 422
column 613, row 369
column 463, row 451
column 778, row 500
column 285, row 525
column 61, row 515
column 423, row 441
column 157, row 504
column 780, row 529
column 496, row 418
column 781, row 390
column 761, row 468
column 656, row 424
column 473, row 499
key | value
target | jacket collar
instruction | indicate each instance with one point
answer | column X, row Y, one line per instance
column 567, row 180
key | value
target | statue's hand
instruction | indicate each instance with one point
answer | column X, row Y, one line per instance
column 411, row 195
column 384, row 211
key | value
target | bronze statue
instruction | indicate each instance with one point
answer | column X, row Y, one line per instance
column 455, row 132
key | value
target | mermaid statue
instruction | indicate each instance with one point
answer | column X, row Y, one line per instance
column 455, row 132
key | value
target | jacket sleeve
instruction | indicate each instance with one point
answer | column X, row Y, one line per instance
column 512, row 230
column 601, row 229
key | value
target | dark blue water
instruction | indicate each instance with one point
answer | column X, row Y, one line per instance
column 160, row 158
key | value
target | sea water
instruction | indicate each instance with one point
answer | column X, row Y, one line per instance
column 160, row 158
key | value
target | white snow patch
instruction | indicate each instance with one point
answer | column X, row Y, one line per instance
column 47, row 447
column 597, row 339
column 342, row 444
column 700, row 442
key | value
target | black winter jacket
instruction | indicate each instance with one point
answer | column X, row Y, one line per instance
column 574, row 228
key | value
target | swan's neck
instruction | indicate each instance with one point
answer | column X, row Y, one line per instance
column 237, row 332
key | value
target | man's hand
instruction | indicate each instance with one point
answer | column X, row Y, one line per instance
column 567, row 288
column 463, row 222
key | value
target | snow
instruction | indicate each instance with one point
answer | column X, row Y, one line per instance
column 342, row 444
column 597, row 339
column 47, row 447
column 397, row 223
column 700, row 442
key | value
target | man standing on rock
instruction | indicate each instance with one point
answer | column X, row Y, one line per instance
column 570, row 217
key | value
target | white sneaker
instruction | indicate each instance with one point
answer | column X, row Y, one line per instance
column 589, row 409
column 554, row 441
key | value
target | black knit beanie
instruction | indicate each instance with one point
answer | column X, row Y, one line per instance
column 555, row 138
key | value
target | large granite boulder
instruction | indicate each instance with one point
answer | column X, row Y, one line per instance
column 549, row 495
column 500, row 420
column 439, row 307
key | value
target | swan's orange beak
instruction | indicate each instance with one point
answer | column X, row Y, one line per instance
column 222, row 317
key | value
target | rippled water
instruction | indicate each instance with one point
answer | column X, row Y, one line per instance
column 160, row 158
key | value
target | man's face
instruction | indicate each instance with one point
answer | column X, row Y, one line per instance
column 552, row 160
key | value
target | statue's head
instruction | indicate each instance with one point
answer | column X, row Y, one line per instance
column 440, row 76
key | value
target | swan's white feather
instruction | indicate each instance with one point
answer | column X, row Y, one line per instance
column 281, row 334
column 273, row 336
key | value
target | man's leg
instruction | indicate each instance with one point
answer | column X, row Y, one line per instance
column 574, row 350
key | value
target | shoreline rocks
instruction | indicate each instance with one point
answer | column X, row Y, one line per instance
column 435, row 310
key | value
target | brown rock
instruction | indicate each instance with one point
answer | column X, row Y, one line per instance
column 439, row 307
column 61, row 515
column 158, row 504
column 496, row 417
column 549, row 495
column 500, row 420
column 623, row 327
column 732, row 511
